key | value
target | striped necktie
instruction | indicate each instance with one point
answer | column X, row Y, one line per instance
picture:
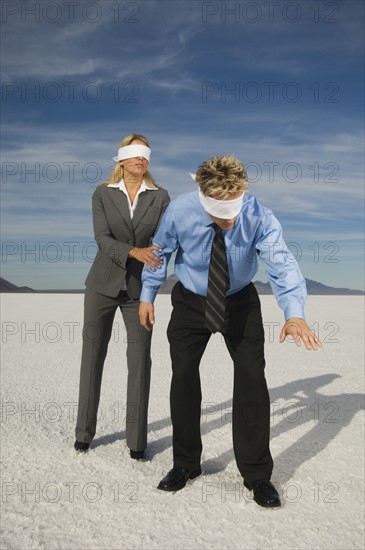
column 218, row 284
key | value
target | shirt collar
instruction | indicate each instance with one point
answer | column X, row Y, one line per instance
column 144, row 187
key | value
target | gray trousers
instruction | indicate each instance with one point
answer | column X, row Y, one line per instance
column 99, row 312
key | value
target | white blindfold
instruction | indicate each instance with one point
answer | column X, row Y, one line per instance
column 225, row 209
column 221, row 208
column 132, row 151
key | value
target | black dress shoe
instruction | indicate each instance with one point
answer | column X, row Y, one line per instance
column 177, row 477
column 137, row 455
column 81, row 447
column 264, row 493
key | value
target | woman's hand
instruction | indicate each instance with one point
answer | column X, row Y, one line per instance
column 146, row 256
column 299, row 330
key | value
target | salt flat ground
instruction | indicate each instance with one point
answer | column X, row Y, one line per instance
column 54, row 498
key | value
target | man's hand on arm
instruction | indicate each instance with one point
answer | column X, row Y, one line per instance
column 299, row 330
column 146, row 315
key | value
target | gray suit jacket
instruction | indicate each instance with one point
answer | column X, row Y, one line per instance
column 116, row 234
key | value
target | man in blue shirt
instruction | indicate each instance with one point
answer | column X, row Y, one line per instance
column 222, row 217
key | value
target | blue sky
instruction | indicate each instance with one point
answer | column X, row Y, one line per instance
column 278, row 84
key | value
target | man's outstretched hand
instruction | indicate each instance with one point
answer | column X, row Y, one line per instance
column 299, row 330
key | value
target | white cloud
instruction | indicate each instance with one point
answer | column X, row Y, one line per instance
column 170, row 53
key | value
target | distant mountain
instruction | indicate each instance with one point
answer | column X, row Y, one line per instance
column 313, row 287
column 5, row 286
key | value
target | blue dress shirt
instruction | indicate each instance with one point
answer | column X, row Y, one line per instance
column 187, row 228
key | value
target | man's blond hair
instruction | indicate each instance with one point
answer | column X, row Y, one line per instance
column 222, row 176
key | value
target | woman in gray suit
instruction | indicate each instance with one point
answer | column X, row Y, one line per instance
column 127, row 210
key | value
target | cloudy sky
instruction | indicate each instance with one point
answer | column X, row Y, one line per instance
column 279, row 84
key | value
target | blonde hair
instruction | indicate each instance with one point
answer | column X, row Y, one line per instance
column 222, row 175
column 118, row 172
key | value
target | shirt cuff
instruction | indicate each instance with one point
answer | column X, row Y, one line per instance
column 148, row 295
column 294, row 310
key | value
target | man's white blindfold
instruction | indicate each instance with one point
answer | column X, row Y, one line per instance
column 220, row 208
column 132, row 151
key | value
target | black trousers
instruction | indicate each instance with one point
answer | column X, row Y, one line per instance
column 244, row 337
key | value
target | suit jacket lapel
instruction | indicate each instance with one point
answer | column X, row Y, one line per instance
column 145, row 200
column 121, row 202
